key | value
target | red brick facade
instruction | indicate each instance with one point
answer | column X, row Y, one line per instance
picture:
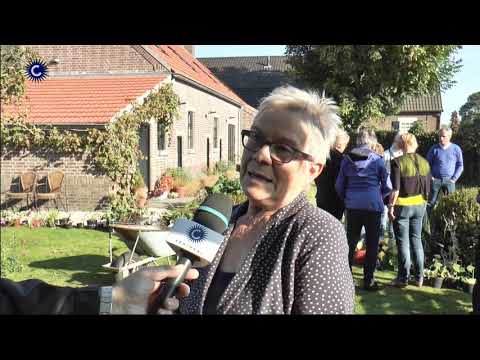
column 97, row 58
column 82, row 188
column 85, row 190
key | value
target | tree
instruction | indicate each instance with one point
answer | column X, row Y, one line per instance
column 372, row 81
column 12, row 72
column 471, row 109
column 454, row 122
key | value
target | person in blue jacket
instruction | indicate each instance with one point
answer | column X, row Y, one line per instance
column 363, row 183
column 446, row 162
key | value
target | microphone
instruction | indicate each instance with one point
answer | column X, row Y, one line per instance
column 198, row 241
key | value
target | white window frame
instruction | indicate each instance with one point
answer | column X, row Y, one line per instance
column 405, row 123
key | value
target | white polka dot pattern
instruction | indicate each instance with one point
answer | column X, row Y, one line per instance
column 299, row 265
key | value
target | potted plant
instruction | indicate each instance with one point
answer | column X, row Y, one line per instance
column 92, row 222
column 35, row 221
column 163, row 186
column 180, row 186
column 469, row 280
column 52, row 218
column 456, row 272
column 438, row 272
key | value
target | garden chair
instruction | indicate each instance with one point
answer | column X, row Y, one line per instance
column 22, row 187
column 53, row 188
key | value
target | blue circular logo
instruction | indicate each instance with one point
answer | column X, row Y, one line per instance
column 196, row 233
column 37, row 70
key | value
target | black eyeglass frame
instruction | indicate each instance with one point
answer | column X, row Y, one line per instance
column 296, row 154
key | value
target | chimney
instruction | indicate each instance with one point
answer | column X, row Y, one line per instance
column 190, row 48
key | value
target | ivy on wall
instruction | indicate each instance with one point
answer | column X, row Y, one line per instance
column 113, row 150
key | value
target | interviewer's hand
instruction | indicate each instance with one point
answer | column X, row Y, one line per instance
column 133, row 294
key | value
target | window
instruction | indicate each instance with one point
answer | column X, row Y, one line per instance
column 405, row 123
column 215, row 133
column 161, row 135
column 190, row 130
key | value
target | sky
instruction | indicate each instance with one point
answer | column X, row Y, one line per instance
column 468, row 79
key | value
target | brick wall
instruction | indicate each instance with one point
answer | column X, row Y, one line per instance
column 97, row 58
column 83, row 188
column 203, row 105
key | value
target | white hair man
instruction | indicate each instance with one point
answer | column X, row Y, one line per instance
column 446, row 162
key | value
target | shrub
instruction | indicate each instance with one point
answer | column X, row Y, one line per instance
column 163, row 184
column 138, row 181
column 185, row 212
column 455, row 223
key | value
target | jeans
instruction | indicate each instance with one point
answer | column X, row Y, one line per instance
column 356, row 219
column 408, row 233
column 439, row 184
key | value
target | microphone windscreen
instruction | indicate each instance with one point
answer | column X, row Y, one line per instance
column 215, row 212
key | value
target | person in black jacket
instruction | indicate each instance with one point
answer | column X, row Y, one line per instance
column 327, row 198
column 132, row 295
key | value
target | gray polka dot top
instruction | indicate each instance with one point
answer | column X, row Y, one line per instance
column 299, row 265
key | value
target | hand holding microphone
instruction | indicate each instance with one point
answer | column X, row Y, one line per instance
column 134, row 294
column 197, row 241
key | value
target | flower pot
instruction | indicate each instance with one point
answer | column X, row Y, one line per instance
column 36, row 223
column 181, row 191
column 359, row 257
column 17, row 223
column 437, row 284
column 141, row 195
column 91, row 224
column 468, row 287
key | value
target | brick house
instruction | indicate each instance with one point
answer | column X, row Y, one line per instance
column 253, row 77
column 88, row 85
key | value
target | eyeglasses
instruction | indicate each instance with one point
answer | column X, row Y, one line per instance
column 279, row 153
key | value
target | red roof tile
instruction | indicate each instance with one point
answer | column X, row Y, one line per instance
column 83, row 100
column 181, row 61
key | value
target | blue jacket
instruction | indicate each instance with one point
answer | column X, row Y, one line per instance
column 363, row 181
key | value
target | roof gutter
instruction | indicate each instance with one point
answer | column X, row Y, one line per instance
column 204, row 88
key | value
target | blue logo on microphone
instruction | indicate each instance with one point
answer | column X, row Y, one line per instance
column 37, row 70
column 196, row 233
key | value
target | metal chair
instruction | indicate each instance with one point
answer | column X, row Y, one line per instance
column 24, row 187
column 53, row 187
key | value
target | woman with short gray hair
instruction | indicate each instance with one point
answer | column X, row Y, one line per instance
column 363, row 184
column 281, row 254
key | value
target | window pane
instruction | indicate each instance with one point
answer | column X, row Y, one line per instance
column 215, row 132
column 190, row 130
column 161, row 136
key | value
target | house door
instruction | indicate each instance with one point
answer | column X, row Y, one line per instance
column 144, row 165
column 231, row 143
column 179, row 151
column 208, row 153
column 220, row 149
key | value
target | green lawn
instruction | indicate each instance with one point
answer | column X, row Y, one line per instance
column 74, row 258
column 409, row 300
column 59, row 256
